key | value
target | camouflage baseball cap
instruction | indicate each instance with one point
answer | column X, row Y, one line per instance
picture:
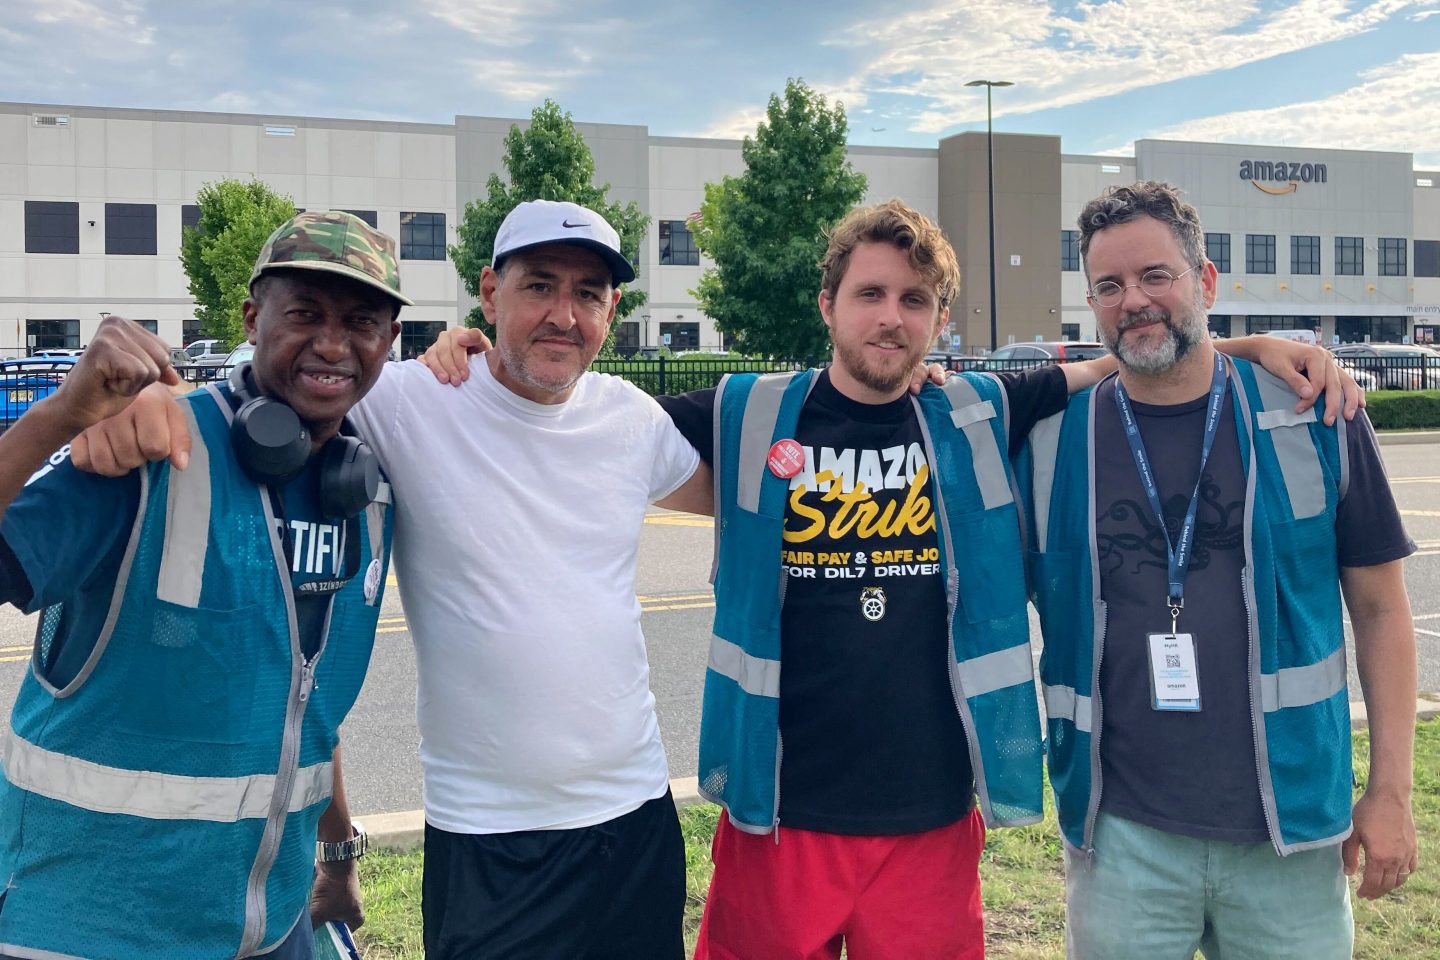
column 335, row 242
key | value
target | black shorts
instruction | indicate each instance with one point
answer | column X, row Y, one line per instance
column 614, row 891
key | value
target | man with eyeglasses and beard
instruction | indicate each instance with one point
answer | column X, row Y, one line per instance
column 1191, row 538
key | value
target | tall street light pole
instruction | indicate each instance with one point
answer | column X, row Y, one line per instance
column 990, row 183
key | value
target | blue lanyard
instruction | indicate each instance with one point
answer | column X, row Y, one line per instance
column 1179, row 556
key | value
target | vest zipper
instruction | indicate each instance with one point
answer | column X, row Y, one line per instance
column 1260, row 776
column 779, row 739
column 1097, row 727
column 288, row 769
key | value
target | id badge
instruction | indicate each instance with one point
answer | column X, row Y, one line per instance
column 1174, row 679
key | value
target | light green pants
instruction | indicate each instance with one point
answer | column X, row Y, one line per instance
column 1151, row 895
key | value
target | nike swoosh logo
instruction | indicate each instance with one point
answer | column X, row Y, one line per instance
column 572, row 226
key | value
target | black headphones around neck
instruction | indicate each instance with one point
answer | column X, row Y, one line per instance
column 273, row 446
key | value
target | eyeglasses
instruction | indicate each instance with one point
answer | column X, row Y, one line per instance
column 1155, row 283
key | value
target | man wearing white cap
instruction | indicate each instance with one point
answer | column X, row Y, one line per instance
column 550, row 831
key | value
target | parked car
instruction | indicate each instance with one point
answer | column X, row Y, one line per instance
column 953, row 361
column 24, row 381
column 1019, row 356
column 1298, row 335
column 1396, row 366
column 239, row 355
column 209, row 352
column 59, row 352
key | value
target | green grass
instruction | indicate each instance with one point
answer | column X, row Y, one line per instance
column 1022, row 882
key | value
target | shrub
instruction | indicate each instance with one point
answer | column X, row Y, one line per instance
column 1401, row 410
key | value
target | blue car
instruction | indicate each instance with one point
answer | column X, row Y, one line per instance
column 26, row 380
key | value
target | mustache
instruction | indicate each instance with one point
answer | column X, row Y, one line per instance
column 550, row 330
column 1149, row 315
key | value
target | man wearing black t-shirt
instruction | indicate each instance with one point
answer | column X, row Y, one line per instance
column 876, row 791
column 1192, row 534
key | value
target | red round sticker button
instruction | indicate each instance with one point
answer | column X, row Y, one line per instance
column 786, row 458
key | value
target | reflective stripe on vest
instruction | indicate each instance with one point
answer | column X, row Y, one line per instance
column 1061, row 703
column 1302, row 686
column 762, row 409
column 155, row 796
column 995, row 671
column 182, row 557
column 1045, row 444
column 755, row 675
column 1290, row 436
column 971, row 415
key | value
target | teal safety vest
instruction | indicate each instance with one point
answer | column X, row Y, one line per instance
column 978, row 527
column 1296, row 472
column 164, row 803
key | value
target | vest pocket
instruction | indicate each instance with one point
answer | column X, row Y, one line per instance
column 1307, row 589
column 990, row 568
column 193, row 674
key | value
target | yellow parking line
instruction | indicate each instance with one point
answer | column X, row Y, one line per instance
column 1420, row 513
column 683, row 520
column 679, row 606
column 684, row 596
column 1415, row 479
column 27, row 647
column 13, row 659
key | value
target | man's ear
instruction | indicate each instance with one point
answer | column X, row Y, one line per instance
column 1209, row 282
column 489, row 283
column 827, row 307
column 250, row 313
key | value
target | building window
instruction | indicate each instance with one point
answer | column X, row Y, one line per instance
column 1217, row 251
column 1219, row 324
column 189, row 217
column 369, row 216
column 1427, row 258
column 152, row 325
column 52, row 226
column 422, row 236
column 627, row 337
column 130, row 228
column 1392, row 257
column 1070, row 331
column 52, row 334
column 1069, row 249
column 417, row 335
column 1304, row 255
column 189, row 330
column 1378, row 329
column 682, row 336
column 677, row 245
column 1259, row 253
column 1262, row 324
column 1349, row 256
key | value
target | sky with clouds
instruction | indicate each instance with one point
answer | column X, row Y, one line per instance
column 1362, row 74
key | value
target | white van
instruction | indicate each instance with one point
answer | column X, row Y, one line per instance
column 1303, row 336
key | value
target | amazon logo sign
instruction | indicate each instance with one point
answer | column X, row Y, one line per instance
column 1289, row 174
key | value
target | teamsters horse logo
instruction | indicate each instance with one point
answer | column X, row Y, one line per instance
column 872, row 603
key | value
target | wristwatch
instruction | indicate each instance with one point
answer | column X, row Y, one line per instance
column 352, row 849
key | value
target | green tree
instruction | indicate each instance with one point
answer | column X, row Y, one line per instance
column 219, row 253
column 548, row 160
column 765, row 228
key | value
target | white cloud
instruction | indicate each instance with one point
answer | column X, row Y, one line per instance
column 518, row 81
column 496, row 22
column 1099, row 49
column 1378, row 114
column 119, row 21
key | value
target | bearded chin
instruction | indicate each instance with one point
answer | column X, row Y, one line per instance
column 1177, row 343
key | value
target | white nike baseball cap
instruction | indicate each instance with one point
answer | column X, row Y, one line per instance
column 538, row 223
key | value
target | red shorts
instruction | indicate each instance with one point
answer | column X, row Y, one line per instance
column 912, row 897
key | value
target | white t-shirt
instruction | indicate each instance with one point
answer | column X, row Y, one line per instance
column 516, row 531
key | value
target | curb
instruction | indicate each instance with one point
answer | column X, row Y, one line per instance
column 406, row 831
column 1400, row 437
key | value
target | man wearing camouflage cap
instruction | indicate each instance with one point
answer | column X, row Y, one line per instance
column 207, row 625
